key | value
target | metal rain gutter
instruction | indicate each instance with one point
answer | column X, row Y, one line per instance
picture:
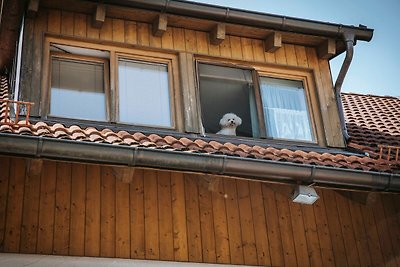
column 245, row 17
column 349, row 40
column 254, row 169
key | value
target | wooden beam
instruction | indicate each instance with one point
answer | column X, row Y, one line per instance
column 327, row 49
column 34, row 167
column 99, row 16
column 124, row 174
column 33, row 8
column 217, row 34
column 160, row 25
column 273, row 42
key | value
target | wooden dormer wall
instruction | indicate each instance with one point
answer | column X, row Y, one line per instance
column 132, row 33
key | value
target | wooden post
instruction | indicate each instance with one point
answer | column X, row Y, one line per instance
column 160, row 25
column 99, row 16
column 33, row 8
column 327, row 49
column 273, row 42
column 217, row 34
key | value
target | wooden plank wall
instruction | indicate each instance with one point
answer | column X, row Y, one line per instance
column 83, row 210
column 125, row 32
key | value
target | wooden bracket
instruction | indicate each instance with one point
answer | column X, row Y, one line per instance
column 33, row 8
column 217, row 34
column 273, row 42
column 124, row 174
column 34, row 167
column 99, row 16
column 160, row 25
column 327, row 49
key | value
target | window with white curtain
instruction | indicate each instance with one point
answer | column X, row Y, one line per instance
column 285, row 109
column 77, row 89
column 144, row 93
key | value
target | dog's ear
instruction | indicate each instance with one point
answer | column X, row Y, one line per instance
column 223, row 121
column 239, row 120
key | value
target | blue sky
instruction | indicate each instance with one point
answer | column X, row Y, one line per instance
column 376, row 64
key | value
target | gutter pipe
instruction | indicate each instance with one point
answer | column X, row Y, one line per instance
column 255, row 169
column 245, row 17
column 349, row 39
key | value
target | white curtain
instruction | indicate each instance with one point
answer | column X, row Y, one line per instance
column 285, row 109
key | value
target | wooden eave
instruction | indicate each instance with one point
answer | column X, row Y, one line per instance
column 148, row 16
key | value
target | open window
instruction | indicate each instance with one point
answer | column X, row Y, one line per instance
column 269, row 107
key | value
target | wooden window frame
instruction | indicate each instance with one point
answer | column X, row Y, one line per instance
column 305, row 75
column 137, row 54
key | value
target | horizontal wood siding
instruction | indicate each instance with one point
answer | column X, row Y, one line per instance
column 139, row 34
column 86, row 210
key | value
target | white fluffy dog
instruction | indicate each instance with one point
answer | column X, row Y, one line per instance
column 228, row 123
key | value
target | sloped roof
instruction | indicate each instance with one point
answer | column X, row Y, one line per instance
column 356, row 107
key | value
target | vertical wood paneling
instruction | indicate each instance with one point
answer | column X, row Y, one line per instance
column 82, row 209
column 130, row 32
column 246, row 223
column 5, row 163
column 106, row 31
column 30, row 213
column 206, row 221
column 80, row 21
column 225, row 47
column 220, row 222
column 290, row 53
column 165, row 216
column 78, row 210
column 280, row 56
column 151, row 215
column 247, row 49
column 300, row 242
column 91, row 32
column 155, row 41
column 392, row 223
column 118, row 30
column 167, row 39
column 107, row 213
column 54, row 21
column 236, row 47
column 190, row 40
column 258, row 50
column 67, row 23
column 179, row 39
column 137, row 216
column 323, row 232
column 339, row 249
column 301, row 56
column 202, row 42
column 213, row 49
column 143, row 34
column 260, row 225
column 272, row 219
column 179, row 217
column 14, row 205
column 285, row 225
column 46, row 208
column 344, row 216
column 62, row 214
column 193, row 219
column 359, row 232
column 122, row 221
column 233, row 220
column 92, row 223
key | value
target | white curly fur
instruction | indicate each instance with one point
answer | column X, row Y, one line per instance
column 229, row 122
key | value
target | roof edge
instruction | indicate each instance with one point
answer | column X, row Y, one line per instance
column 253, row 169
column 246, row 17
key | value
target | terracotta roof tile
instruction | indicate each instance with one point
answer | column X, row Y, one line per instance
column 371, row 121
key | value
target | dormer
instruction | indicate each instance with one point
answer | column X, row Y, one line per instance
column 177, row 67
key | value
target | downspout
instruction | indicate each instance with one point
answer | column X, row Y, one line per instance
column 349, row 39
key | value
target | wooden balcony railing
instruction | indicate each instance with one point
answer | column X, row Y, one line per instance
column 21, row 108
column 389, row 153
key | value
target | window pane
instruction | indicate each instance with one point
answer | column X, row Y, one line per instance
column 144, row 93
column 285, row 109
column 227, row 90
column 77, row 89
